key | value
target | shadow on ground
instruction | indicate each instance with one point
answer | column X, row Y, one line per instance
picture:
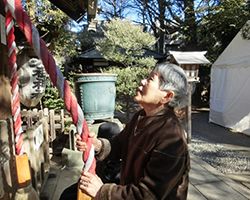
column 215, row 133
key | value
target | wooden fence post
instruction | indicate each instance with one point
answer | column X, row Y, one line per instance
column 52, row 125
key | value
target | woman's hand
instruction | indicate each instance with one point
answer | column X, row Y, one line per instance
column 90, row 183
column 82, row 146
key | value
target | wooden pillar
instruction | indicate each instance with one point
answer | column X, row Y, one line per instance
column 3, row 48
column 5, row 89
column 189, row 113
column 7, row 176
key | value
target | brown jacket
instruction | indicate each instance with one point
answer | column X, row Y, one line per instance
column 155, row 159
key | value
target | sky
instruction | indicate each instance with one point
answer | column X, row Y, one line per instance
column 131, row 15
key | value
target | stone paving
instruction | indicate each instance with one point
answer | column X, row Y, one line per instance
column 208, row 183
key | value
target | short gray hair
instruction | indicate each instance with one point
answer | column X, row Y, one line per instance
column 173, row 78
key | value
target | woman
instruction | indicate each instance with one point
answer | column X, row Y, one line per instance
column 152, row 147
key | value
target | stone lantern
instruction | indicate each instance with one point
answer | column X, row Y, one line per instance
column 190, row 61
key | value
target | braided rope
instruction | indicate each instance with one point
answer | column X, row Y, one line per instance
column 56, row 77
column 15, row 101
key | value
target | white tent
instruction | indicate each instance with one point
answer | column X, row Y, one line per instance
column 230, row 87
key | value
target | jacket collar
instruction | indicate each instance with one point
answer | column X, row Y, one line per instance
column 143, row 120
column 164, row 111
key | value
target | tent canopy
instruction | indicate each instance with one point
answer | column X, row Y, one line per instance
column 230, row 80
column 236, row 54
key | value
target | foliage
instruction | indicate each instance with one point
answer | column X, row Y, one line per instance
column 65, row 46
column 128, row 79
column 51, row 99
column 221, row 24
column 124, row 43
column 215, row 20
column 245, row 33
column 53, row 26
column 166, row 18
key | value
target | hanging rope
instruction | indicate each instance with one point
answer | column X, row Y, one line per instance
column 15, row 101
column 56, row 77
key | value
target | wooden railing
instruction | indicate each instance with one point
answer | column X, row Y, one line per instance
column 40, row 130
column 56, row 120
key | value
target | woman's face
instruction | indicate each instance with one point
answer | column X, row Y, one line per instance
column 148, row 94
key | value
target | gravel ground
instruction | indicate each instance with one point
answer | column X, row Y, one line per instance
column 223, row 159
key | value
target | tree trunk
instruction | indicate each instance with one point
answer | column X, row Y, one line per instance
column 190, row 25
column 161, row 32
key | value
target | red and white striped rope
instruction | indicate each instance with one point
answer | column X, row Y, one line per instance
column 56, row 77
column 15, row 101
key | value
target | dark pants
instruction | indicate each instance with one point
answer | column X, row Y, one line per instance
column 70, row 192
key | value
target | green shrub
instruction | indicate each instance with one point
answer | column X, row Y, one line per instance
column 128, row 79
column 51, row 98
